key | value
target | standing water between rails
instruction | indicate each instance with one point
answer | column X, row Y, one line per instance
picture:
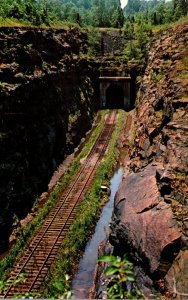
column 83, row 279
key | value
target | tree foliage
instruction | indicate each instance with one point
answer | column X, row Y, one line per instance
column 156, row 12
column 99, row 13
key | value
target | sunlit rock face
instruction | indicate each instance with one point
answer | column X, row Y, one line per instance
column 47, row 103
column 144, row 221
column 150, row 214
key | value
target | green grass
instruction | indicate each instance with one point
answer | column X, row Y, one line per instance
column 31, row 228
column 12, row 22
column 84, row 224
column 181, row 21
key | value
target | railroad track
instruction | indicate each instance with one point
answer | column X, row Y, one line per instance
column 36, row 261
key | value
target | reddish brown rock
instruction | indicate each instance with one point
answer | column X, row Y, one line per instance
column 144, row 221
column 177, row 277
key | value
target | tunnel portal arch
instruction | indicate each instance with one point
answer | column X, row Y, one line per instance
column 113, row 87
column 114, row 96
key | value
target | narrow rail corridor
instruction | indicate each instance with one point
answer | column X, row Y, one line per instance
column 42, row 250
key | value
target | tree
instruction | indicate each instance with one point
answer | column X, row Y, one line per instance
column 117, row 18
column 180, row 8
column 128, row 30
column 16, row 11
column 132, row 6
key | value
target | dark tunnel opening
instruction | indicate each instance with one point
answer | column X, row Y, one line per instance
column 115, row 96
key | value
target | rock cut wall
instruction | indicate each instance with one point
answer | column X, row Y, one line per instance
column 151, row 206
column 47, row 103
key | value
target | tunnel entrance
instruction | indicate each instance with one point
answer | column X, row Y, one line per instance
column 114, row 96
column 115, row 92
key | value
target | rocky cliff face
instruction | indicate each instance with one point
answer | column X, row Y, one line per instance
column 47, row 103
column 151, row 207
column 112, row 42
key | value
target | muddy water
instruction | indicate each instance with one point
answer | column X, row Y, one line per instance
column 83, row 280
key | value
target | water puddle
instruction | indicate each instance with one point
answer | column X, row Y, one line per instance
column 83, row 280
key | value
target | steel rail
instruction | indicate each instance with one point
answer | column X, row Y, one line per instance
column 104, row 137
column 66, row 196
column 77, row 201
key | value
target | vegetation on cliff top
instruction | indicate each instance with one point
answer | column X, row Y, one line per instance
column 156, row 11
column 138, row 21
column 143, row 18
column 97, row 13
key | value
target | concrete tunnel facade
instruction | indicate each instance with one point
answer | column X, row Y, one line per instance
column 115, row 92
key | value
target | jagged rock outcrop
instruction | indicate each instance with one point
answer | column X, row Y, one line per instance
column 138, row 222
column 47, row 103
column 151, row 207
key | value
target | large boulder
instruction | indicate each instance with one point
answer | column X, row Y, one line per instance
column 143, row 222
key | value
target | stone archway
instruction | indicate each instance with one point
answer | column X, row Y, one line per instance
column 113, row 87
column 114, row 96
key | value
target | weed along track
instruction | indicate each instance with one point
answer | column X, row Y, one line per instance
column 33, row 267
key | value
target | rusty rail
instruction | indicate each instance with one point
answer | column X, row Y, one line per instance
column 42, row 250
